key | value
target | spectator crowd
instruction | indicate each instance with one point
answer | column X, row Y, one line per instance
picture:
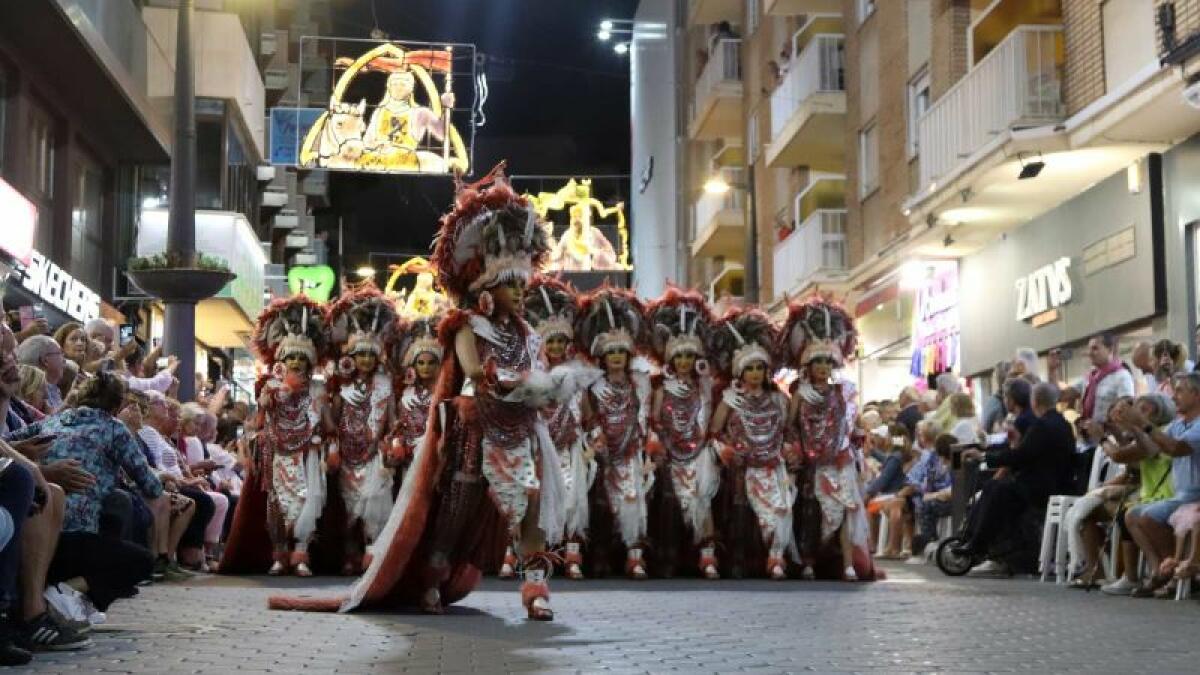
column 108, row 481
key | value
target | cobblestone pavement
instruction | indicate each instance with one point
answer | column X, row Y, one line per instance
column 918, row 621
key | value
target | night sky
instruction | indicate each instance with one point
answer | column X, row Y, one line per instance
column 558, row 104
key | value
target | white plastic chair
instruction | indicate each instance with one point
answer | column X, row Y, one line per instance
column 1054, row 540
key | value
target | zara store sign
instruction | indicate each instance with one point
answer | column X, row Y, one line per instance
column 1044, row 289
column 51, row 283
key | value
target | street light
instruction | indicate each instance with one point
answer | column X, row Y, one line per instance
column 604, row 35
column 365, row 271
column 606, row 25
column 621, row 48
column 716, row 185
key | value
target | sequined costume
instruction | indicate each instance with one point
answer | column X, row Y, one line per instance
column 682, row 427
column 620, row 412
column 755, row 433
column 365, row 482
column 291, row 441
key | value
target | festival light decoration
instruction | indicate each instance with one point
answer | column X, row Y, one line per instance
column 582, row 246
column 425, row 299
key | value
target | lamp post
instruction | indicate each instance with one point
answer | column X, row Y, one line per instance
column 179, row 330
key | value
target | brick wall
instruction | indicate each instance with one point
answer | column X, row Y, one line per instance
column 1084, row 37
column 949, row 60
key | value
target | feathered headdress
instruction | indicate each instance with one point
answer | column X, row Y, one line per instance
column 551, row 307
column 491, row 236
column 416, row 337
column 362, row 320
column 680, row 322
column 288, row 326
column 815, row 328
column 610, row 319
column 741, row 337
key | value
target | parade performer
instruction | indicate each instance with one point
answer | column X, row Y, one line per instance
column 551, row 307
column 818, row 336
column 487, row 468
column 616, row 411
column 291, row 336
column 417, row 356
column 749, row 428
column 688, row 476
column 362, row 405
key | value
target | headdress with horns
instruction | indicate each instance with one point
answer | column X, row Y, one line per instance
column 362, row 321
column 818, row 328
column 610, row 319
column 680, row 322
column 490, row 237
column 290, row 326
column 742, row 337
column 416, row 337
column 551, row 307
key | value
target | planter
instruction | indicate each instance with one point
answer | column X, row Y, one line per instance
column 180, row 284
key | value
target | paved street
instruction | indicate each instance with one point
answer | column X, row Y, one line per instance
column 918, row 621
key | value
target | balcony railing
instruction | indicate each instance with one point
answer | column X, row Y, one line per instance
column 1018, row 84
column 723, row 68
column 708, row 206
column 819, row 68
column 817, row 246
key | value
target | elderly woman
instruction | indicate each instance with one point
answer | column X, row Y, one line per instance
column 883, row 493
column 43, row 353
column 964, row 425
column 33, row 388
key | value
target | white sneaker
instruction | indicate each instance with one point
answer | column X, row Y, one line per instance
column 988, row 567
column 87, row 611
column 65, row 604
column 1121, row 586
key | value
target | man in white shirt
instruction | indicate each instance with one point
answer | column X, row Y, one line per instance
column 1108, row 380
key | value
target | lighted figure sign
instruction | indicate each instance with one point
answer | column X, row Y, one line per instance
column 316, row 282
column 387, row 113
column 425, row 299
column 582, row 246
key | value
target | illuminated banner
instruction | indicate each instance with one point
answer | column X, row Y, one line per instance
column 395, row 108
column 52, row 283
column 588, row 234
column 19, row 216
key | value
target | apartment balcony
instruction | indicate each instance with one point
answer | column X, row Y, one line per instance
column 797, row 7
column 1017, row 85
column 808, row 109
column 716, row 109
column 814, row 253
column 285, row 220
column 708, row 12
column 720, row 225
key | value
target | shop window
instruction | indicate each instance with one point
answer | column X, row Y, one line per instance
column 918, row 104
column 868, row 161
column 210, row 162
column 87, row 213
column 40, row 159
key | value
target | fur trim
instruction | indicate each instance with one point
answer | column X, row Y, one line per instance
column 551, row 307
column 532, row 590
column 742, row 336
column 285, row 316
column 362, row 318
column 679, row 321
column 299, row 557
column 610, row 318
column 817, row 327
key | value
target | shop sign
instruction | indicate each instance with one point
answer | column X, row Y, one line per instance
column 1044, row 289
column 51, row 283
column 19, row 216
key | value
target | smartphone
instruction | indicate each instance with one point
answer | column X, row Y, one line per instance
column 39, row 311
column 25, row 314
column 155, row 342
column 161, row 363
column 126, row 334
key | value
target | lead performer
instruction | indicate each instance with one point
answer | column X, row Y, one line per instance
column 749, row 428
column 688, row 475
column 616, row 412
column 487, row 468
column 818, row 336
column 362, row 406
column 295, row 424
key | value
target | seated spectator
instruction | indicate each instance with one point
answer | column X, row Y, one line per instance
column 102, row 569
column 928, row 484
column 994, row 410
column 32, row 389
column 910, row 409
column 16, row 504
column 1169, row 359
column 225, row 477
column 1107, row 381
column 43, row 352
column 168, row 521
column 1150, row 523
column 947, row 386
column 882, row 495
column 161, row 424
column 1038, row 466
column 199, row 467
column 964, row 426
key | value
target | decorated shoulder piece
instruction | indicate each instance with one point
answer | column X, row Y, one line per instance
column 680, row 322
column 490, row 237
column 551, row 307
column 362, row 321
column 290, row 326
column 818, row 328
column 741, row 337
column 610, row 319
